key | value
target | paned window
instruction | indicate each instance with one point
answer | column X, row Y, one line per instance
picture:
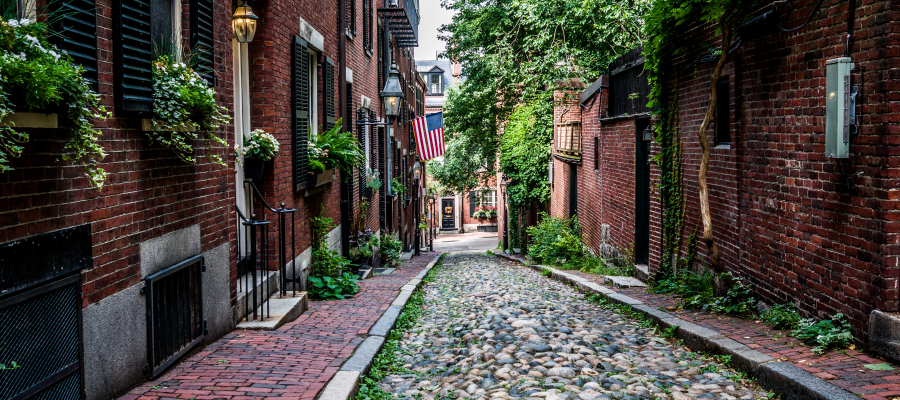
column 482, row 198
column 435, row 86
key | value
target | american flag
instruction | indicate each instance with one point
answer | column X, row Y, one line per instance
column 429, row 131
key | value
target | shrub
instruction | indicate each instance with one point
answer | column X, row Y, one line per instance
column 555, row 239
column 827, row 334
column 782, row 316
column 333, row 288
column 390, row 250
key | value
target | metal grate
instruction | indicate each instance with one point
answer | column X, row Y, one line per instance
column 41, row 333
column 175, row 321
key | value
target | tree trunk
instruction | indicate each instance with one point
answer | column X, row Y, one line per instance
column 708, row 237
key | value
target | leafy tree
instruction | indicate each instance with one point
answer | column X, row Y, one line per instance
column 514, row 52
column 525, row 153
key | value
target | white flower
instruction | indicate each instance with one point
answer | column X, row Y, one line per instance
column 22, row 56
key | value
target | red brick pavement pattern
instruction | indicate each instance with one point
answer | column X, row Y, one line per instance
column 293, row 362
column 841, row 368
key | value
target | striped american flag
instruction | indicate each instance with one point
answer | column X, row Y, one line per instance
column 429, row 132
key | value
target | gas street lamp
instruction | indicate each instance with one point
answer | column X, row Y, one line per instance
column 244, row 23
column 392, row 93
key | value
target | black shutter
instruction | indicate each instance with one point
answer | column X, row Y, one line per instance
column 202, row 41
column 380, row 58
column 382, row 165
column 351, row 17
column 300, row 108
column 367, row 24
column 472, row 203
column 133, row 79
column 328, row 91
column 361, row 135
column 77, row 25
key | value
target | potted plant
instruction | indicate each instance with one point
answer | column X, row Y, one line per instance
column 480, row 213
column 399, row 190
column 184, row 104
column 257, row 149
column 492, row 212
column 373, row 183
column 36, row 77
column 333, row 149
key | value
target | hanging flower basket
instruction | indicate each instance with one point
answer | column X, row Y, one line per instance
column 253, row 168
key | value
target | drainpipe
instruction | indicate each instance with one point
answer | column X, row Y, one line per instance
column 346, row 193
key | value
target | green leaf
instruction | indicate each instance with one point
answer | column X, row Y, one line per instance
column 879, row 367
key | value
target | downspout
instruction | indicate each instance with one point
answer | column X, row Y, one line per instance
column 346, row 209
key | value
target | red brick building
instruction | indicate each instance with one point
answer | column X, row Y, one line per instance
column 92, row 274
column 801, row 226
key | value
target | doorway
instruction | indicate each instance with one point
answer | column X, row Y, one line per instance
column 448, row 207
column 641, row 193
column 573, row 190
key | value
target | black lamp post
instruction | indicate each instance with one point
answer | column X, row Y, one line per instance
column 503, row 191
column 431, row 218
column 417, row 173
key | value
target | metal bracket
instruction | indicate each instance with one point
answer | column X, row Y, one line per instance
column 853, row 128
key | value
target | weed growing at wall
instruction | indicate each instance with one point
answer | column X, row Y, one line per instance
column 782, row 316
column 827, row 334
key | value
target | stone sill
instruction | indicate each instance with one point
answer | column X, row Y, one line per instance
column 147, row 126
column 625, row 117
column 31, row 120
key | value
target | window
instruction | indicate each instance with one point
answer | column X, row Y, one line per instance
column 482, row 198
column 313, row 93
column 723, row 112
column 596, row 153
column 367, row 25
column 435, row 84
column 351, row 17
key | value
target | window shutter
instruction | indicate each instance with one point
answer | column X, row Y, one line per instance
column 367, row 24
column 382, row 169
column 361, row 135
column 329, row 100
column 351, row 17
column 133, row 78
column 300, row 106
column 77, row 24
column 202, row 41
column 472, row 203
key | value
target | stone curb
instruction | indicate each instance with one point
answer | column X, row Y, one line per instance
column 784, row 378
column 345, row 383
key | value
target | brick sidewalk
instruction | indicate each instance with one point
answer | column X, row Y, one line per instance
column 293, row 362
column 842, row 368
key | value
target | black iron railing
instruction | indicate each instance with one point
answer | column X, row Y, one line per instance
column 175, row 321
column 255, row 255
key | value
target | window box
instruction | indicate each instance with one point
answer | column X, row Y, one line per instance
column 147, row 126
column 31, row 120
column 316, row 180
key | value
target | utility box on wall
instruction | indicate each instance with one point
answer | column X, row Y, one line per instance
column 840, row 107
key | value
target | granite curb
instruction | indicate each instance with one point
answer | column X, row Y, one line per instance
column 345, row 383
column 786, row 379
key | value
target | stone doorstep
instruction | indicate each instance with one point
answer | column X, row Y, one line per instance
column 624, row 281
column 281, row 310
column 784, row 378
column 345, row 383
column 406, row 256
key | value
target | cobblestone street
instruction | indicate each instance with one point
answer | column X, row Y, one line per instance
column 493, row 329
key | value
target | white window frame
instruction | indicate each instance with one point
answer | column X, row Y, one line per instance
column 440, row 83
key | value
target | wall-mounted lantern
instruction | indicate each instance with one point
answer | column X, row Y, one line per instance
column 244, row 23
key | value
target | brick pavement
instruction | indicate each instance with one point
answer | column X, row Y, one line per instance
column 842, row 368
column 293, row 362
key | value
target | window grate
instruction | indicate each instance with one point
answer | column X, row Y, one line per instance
column 42, row 334
column 174, row 313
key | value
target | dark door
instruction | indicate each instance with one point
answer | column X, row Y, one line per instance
column 447, row 221
column 573, row 190
column 641, row 194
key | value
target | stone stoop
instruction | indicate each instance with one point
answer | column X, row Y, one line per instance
column 278, row 311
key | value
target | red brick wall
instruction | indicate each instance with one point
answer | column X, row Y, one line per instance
column 149, row 191
column 783, row 215
column 566, row 109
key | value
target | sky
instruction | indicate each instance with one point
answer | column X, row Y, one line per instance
column 431, row 17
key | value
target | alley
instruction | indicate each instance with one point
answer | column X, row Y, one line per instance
column 493, row 329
